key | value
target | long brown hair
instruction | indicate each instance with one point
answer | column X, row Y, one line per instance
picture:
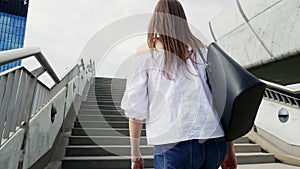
column 169, row 25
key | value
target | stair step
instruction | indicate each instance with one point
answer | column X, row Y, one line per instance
column 100, row 79
column 112, row 162
column 100, row 137
column 104, row 99
column 245, row 147
column 100, row 106
column 108, row 88
column 102, row 140
column 101, row 112
column 255, row 158
column 101, row 118
column 109, row 83
column 110, row 150
column 105, row 150
column 87, row 108
column 100, row 98
column 101, row 124
column 242, row 140
column 114, row 81
column 105, row 102
column 106, row 93
column 105, row 140
column 107, row 162
column 102, row 132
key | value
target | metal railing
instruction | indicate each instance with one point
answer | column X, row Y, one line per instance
column 22, row 95
column 18, row 54
column 281, row 94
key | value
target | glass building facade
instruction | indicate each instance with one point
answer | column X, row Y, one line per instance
column 13, row 15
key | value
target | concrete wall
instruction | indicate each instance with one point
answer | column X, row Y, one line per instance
column 42, row 132
column 267, row 119
column 279, row 27
column 10, row 152
column 285, row 136
column 72, row 91
column 270, row 28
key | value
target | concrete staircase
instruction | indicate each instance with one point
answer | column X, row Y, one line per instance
column 100, row 139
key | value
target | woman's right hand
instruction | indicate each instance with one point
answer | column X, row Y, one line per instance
column 137, row 163
column 230, row 161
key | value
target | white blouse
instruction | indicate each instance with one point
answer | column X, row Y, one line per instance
column 173, row 110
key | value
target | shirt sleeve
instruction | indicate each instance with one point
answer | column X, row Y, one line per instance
column 135, row 98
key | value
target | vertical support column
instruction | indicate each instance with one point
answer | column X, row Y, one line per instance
column 17, row 111
column 5, row 102
column 12, row 104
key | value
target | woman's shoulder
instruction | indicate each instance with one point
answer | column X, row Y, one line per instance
column 144, row 52
column 144, row 47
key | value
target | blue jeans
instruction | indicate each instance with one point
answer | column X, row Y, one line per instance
column 191, row 154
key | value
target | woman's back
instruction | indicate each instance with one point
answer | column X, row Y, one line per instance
column 174, row 110
column 168, row 89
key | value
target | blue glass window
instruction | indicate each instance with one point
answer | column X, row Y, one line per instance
column 12, row 30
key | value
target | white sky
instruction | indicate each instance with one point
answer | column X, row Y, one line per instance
column 62, row 28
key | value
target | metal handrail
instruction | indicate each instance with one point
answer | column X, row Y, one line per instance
column 22, row 53
column 22, row 95
column 283, row 88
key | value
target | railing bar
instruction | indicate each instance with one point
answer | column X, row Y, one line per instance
column 35, row 100
column 283, row 99
column 39, row 99
column 272, row 95
column 283, row 88
column 282, row 94
column 32, row 89
column 11, row 105
column 277, row 98
column 3, row 81
column 280, row 97
column 47, row 96
column 267, row 93
column 23, row 101
column 18, row 54
column 18, row 101
column 2, row 88
column 289, row 100
column 4, row 106
column 43, row 97
column 296, row 101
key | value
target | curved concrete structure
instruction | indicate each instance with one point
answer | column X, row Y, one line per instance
column 262, row 35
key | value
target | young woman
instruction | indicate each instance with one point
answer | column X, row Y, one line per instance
column 167, row 90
